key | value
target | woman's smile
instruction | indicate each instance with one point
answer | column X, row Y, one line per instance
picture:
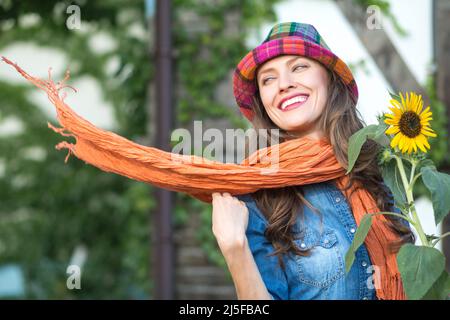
column 293, row 91
column 293, row 103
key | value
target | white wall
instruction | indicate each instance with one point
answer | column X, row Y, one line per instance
column 87, row 101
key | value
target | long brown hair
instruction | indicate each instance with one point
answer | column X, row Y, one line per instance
column 282, row 206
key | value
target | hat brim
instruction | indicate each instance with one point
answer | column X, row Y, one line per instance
column 243, row 78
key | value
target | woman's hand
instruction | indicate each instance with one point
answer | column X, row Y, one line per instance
column 229, row 221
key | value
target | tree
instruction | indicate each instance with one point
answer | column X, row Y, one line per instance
column 48, row 208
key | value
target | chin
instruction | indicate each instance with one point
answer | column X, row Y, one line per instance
column 293, row 129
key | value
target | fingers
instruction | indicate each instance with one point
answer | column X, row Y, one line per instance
column 216, row 195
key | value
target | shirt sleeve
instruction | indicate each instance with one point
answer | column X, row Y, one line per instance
column 273, row 276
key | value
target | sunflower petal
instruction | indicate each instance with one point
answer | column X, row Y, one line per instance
column 389, row 115
column 420, row 139
column 396, row 110
column 426, row 119
column 406, row 145
column 391, row 122
column 402, row 141
column 426, row 110
column 395, row 104
column 403, row 102
column 392, row 130
column 395, row 140
column 428, row 133
column 427, row 145
column 426, row 114
column 419, row 104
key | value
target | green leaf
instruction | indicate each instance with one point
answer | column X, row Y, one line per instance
column 356, row 142
column 440, row 290
column 420, row 267
column 358, row 240
column 380, row 135
column 438, row 184
column 392, row 179
column 426, row 163
column 395, row 96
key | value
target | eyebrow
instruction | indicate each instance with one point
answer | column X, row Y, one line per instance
column 270, row 69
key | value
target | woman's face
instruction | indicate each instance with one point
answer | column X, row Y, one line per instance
column 294, row 91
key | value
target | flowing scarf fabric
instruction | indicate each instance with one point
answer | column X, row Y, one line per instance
column 298, row 162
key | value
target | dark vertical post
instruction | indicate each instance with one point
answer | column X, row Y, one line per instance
column 163, row 259
column 441, row 14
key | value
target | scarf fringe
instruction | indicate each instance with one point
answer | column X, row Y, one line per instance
column 200, row 177
column 392, row 289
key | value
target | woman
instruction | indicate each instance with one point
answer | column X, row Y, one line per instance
column 290, row 242
column 286, row 234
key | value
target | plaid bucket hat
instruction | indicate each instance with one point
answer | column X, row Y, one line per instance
column 287, row 38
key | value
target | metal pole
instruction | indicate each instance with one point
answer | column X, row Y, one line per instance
column 163, row 259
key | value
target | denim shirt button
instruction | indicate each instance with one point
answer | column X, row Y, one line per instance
column 364, row 263
column 352, row 230
column 365, row 298
column 326, row 241
column 303, row 245
column 338, row 199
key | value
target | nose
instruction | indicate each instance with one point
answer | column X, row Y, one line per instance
column 286, row 82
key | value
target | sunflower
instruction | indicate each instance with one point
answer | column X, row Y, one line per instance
column 409, row 123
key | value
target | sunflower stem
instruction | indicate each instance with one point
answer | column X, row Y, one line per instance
column 411, row 178
column 415, row 179
column 399, row 215
column 410, row 198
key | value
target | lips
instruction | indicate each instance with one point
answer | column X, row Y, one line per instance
column 292, row 101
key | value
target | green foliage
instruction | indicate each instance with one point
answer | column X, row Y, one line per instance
column 210, row 48
column 357, row 140
column 438, row 183
column 440, row 290
column 440, row 144
column 48, row 208
column 420, row 268
column 207, row 52
column 358, row 240
column 392, row 179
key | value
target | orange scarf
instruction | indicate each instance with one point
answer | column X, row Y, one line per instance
column 200, row 177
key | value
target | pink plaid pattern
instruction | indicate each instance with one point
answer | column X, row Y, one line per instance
column 286, row 38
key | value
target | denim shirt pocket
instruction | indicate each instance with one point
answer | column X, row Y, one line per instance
column 325, row 263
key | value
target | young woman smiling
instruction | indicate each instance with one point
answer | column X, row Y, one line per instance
column 290, row 242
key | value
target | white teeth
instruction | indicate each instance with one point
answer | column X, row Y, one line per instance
column 293, row 100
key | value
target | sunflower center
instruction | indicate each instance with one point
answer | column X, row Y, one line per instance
column 410, row 124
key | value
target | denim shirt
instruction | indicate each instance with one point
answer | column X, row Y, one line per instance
column 321, row 275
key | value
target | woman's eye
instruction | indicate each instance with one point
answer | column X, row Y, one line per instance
column 296, row 67
column 265, row 80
